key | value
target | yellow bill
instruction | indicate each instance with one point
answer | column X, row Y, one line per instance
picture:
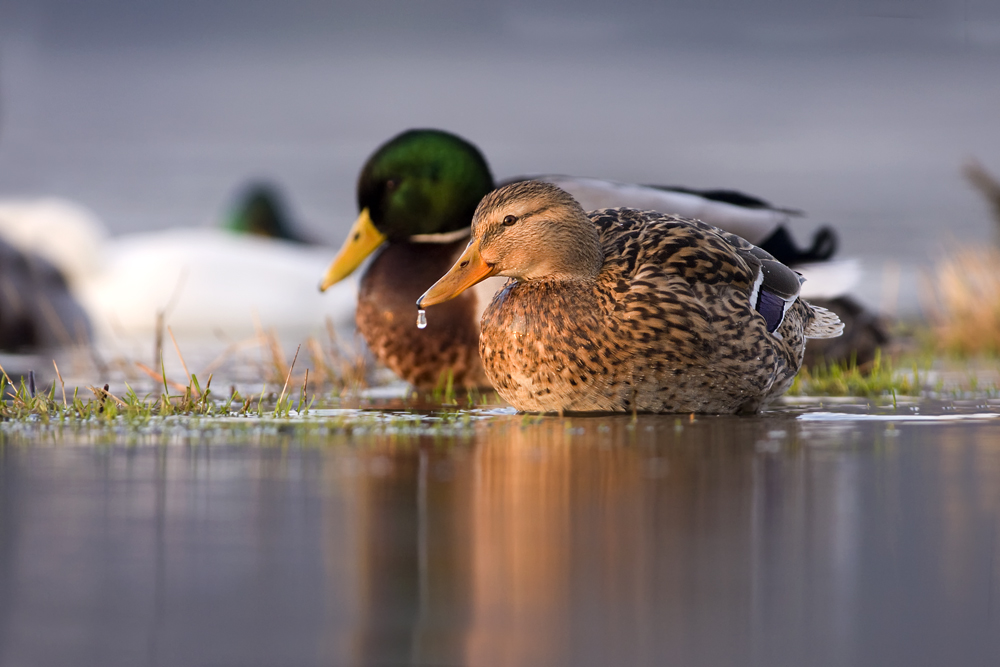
column 468, row 270
column 362, row 241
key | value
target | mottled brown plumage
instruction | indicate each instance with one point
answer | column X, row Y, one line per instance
column 621, row 310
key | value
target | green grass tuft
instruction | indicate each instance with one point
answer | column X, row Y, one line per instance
column 880, row 379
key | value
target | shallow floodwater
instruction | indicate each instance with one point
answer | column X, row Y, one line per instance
column 817, row 535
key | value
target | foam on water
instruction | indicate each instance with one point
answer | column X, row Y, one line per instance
column 844, row 416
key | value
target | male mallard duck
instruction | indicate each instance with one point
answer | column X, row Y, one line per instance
column 260, row 211
column 620, row 310
column 416, row 195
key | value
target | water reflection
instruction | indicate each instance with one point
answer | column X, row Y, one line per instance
column 763, row 541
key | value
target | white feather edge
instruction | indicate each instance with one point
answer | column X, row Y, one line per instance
column 445, row 237
column 755, row 292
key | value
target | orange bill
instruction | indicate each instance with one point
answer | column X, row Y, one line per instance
column 363, row 239
column 468, row 270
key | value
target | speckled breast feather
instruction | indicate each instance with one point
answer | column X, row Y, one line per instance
column 667, row 326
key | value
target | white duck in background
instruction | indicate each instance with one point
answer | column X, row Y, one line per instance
column 208, row 283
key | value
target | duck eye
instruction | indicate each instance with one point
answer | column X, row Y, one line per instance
column 509, row 220
column 390, row 185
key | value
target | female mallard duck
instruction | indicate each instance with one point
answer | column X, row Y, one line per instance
column 622, row 310
column 416, row 195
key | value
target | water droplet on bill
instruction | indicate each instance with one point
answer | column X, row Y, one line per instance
column 421, row 319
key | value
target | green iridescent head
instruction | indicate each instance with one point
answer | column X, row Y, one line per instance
column 423, row 182
column 259, row 211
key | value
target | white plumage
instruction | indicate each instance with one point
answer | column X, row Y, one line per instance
column 207, row 282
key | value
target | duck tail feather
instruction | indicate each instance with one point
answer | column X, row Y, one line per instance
column 823, row 323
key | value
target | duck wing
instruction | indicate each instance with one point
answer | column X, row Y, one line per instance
column 705, row 254
column 776, row 288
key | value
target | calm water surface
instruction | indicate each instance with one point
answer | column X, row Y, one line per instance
column 820, row 536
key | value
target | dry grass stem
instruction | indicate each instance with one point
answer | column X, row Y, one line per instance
column 159, row 377
column 288, row 377
column 61, row 381
column 103, row 393
column 962, row 300
column 179, row 355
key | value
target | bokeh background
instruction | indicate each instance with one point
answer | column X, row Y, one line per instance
column 782, row 540
column 860, row 112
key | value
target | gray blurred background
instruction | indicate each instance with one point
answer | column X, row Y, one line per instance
column 859, row 112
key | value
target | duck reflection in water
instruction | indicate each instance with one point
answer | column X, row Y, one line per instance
column 539, row 546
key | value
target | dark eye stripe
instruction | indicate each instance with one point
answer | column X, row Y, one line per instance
column 511, row 219
column 537, row 211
